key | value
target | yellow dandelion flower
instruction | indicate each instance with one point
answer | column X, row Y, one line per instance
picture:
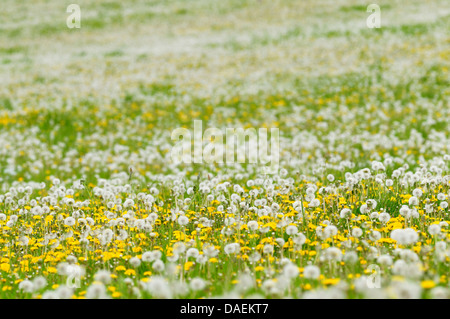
column 428, row 284
column 120, row 268
column 130, row 272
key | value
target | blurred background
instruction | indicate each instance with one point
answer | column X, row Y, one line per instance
column 97, row 98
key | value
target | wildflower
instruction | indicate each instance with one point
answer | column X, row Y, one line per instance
column 64, row 292
column 290, row 270
column 441, row 246
column 158, row 265
column 252, row 225
column 374, row 235
column 39, row 283
column 96, row 291
column 232, row 248
column 299, row 239
column 291, row 230
column 183, row 220
column 405, row 236
column 385, row 260
column 26, row 286
column 364, row 209
column 434, row 229
column 128, row 203
column 407, row 290
column 135, row 262
column 103, row 276
column 345, row 213
column 333, row 253
column 417, row 193
column 158, row 287
column 357, row 232
column 311, row 272
column 197, row 284
column 268, row 249
column 330, row 231
column 413, row 201
column 192, row 252
column 350, row 257
column 69, row 221
column 439, row 293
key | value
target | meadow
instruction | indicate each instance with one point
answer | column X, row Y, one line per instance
column 92, row 204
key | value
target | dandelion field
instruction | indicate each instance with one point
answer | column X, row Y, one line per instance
column 93, row 206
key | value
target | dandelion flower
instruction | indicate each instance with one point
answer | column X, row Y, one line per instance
column 311, row 272
column 135, row 262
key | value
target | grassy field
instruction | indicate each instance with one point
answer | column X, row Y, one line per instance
column 92, row 205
